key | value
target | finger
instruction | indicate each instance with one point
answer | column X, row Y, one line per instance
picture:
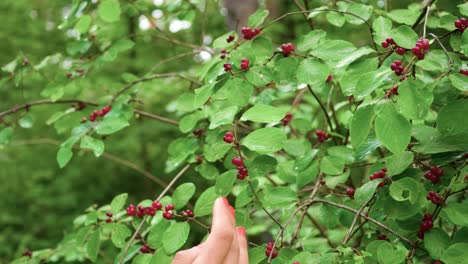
column 233, row 255
column 219, row 242
column 243, row 249
column 187, row 256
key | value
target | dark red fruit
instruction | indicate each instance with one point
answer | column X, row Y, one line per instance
column 228, row 137
column 421, row 48
column 287, row 49
column 108, row 214
column 287, row 119
column 322, row 135
column 350, row 192
column 379, row 174
column 237, row 161
column 27, row 253
column 169, row 207
column 145, row 249
column 242, row 172
column 249, row 33
column 329, row 78
column 461, row 24
column 392, row 91
column 69, row 75
column 245, row 64
column 167, row 215
column 397, row 67
column 109, row 220
column 131, row 210
column 230, row 38
column 156, row 205
column 464, row 72
column 227, row 66
column 382, row 236
column 433, row 197
column 400, row 51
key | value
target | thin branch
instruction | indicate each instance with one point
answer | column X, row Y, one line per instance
column 451, row 62
column 137, row 231
column 423, row 13
column 321, row 229
column 43, row 102
column 309, row 20
column 428, row 10
column 321, row 106
column 157, row 117
column 372, row 220
column 359, row 212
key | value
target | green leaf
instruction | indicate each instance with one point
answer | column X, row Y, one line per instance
column 308, row 175
column 405, row 189
column 404, row 16
column 365, row 192
column 96, row 145
column 278, row 196
column 336, row 19
column 202, row 95
column 64, row 155
column 221, row 43
column 6, row 135
column 207, row 171
column 223, row 117
column 392, row 129
column 456, row 253
column 119, row 235
column 382, row 27
column 175, row 237
column 93, row 245
column 225, row 182
column 459, row 81
column 370, row 81
column 265, row 140
column 464, row 43
column 188, row 122
column 333, row 50
column 26, row 121
column 155, row 237
column 111, row 125
column 313, row 72
column 414, row 100
column 361, row 10
column 160, row 257
column 332, row 165
column 354, row 56
column 205, row 202
column 109, row 10
column 118, row 203
column 388, row 254
column 83, row 24
column 182, row 194
column 435, row 242
column 361, row 124
column 257, row 254
column 264, row 114
column 457, row 213
column 142, row 259
column 310, row 40
column 452, row 117
column 257, row 18
column 404, row 36
column 463, row 9
column 397, row 163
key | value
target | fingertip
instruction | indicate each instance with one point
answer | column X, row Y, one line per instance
column 241, row 231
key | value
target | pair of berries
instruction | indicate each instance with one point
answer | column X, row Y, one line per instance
column 271, row 251
column 223, row 54
column 249, row 33
column 227, row 66
column 434, row 174
column 103, row 112
column 109, row 217
column 245, row 64
column 421, row 48
column 187, row 213
column 322, row 135
column 433, row 197
column 287, row 119
column 350, row 192
column 464, row 72
column 392, row 91
column 461, row 24
column 389, row 42
column 228, row 137
column 379, row 174
column 146, row 249
column 287, row 49
column 425, row 225
column 230, row 38
column 397, row 67
column 242, row 171
column 140, row 211
column 168, row 211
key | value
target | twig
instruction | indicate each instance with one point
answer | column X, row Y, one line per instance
column 174, row 180
column 309, row 20
column 321, row 106
column 428, row 10
column 42, row 102
column 446, row 53
column 359, row 212
column 157, row 117
column 423, row 13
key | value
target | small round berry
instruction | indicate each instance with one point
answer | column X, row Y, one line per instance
column 382, row 236
column 108, row 214
column 230, row 38
column 167, row 215
column 109, row 220
column 245, row 64
column 329, row 78
column 227, row 66
column 385, row 44
column 156, row 205
column 350, row 192
column 69, row 75
column 145, row 249
column 400, row 51
column 169, row 207
column 237, row 161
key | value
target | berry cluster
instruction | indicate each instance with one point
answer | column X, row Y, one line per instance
column 287, row 119
column 106, row 109
column 227, row 66
column 350, row 192
column 140, row 211
column 464, row 72
column 271, row 251
column 244, row 64
column 392, row 91
column 389, row 42
column 109, row 217
column 242, row 171
column 421, row 48
column 329, row 78
column 397, row 67
column 187, row 213
column 228, row 137
column 168, row 212
column 461, row 24
column 322, row 135
column 433, row 197
column 146, row 249
column 426, row 225
column 223, row 54
column 230, row 38
column 379, row 174
column 249, row 33
column 287, row 49
column 434, row 174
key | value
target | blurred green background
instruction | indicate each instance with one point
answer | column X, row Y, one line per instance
column 39, row 200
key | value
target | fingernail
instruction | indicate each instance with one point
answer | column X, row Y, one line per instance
column 225, row 201
column 233, row 212
column 241, row 231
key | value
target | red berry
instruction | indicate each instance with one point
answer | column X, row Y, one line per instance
column 427, row 217
column 227, row 138
column 287, row 119
column 167, row 215
column 287, row 49
column 156, row 205
column 385, row 44
column 230, row 38
column 169, row 207
column 145, row 249
column 227, row 66
column 69, row 75
column 400, row 51
column 382, row 236
column 329, row 78
column 420, row 234
column 237, row 161
column 245, row 64
column 131, row 210
column 350, row 192
column 464, row 72
column 390, row 40
column 109, row 214
column 108, row 220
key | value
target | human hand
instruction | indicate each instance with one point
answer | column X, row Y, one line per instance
column 226, row 244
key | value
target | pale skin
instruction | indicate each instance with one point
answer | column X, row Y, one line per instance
column 226, row 244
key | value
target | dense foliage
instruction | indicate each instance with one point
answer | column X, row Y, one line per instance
column 342, row 141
